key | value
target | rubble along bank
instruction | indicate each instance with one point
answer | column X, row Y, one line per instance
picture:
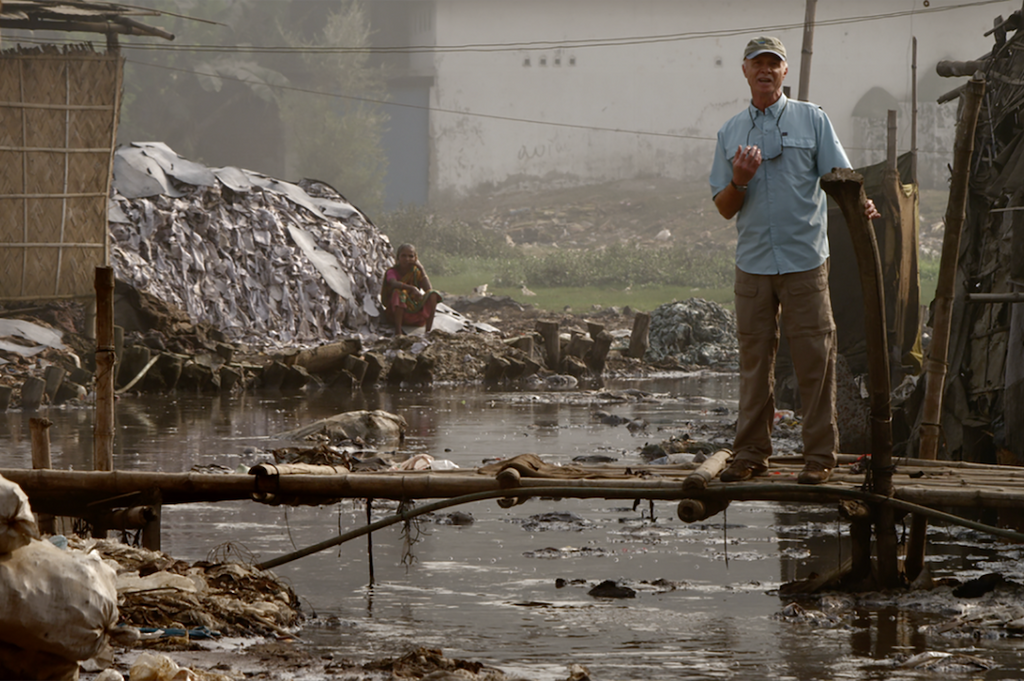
column 171, row 353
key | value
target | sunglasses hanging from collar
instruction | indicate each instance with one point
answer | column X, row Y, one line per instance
column 771, row 135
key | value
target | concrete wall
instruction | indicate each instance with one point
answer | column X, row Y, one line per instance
column 506, row 115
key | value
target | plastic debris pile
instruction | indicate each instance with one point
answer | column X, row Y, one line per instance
column 695, row 332
column 167, row 597
column 263, row 260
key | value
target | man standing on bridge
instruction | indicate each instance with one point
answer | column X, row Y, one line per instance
column 768, row 163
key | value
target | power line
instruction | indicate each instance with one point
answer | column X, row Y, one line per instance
column 512, row 119
column 527, row 46
column 369, row 100
column 505, row 47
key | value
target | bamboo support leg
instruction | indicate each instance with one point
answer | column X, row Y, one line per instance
column 369, row 539
column 103, row 434
column 151, row 528
column 914, row 562
column 860, row 546
column 40, row 430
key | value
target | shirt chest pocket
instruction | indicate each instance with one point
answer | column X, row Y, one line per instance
column 800, row 152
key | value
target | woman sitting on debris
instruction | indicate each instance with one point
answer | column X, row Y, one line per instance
column 407, row 296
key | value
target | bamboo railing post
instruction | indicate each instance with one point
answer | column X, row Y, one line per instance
column 103, row 433
column 935, row 358
column 846, row 187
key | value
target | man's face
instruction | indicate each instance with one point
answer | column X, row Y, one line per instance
column 765, row 74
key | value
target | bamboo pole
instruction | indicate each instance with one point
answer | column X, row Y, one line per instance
column 103, row 433
column 935, row 360
column 151, row 530
column 70, row 491
column 938, row 349
column 1007, row 297
column 708, row 470
column 611, row 492
column 847, row 188
column 913, row 115
column 41, row 459
column 40, row 431
column 369, row 539
column 695, row 510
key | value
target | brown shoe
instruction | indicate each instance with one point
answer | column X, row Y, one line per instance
column 814, row 473
column 742, row 469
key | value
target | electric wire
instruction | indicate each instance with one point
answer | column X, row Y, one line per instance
column 371, row 100
column 497, row 47
column 536, row 45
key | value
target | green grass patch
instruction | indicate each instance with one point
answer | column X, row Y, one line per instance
column 459, row 258
column 929, row 271
column 579, row 299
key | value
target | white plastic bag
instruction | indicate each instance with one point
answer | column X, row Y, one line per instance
column 158, row 667
column 55, row 601
column 17, row 524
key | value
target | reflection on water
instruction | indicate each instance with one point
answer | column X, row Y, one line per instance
column 705, row 603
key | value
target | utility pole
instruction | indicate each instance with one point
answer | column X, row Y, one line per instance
column 806, row 52
column 913, row 117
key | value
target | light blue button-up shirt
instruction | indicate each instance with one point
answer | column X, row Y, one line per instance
column 783, row 223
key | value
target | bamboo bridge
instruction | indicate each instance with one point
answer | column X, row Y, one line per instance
column 133, row 499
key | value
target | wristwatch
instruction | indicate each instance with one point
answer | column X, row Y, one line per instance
column 738, row 187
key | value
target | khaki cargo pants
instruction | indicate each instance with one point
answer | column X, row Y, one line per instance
column 806, row 310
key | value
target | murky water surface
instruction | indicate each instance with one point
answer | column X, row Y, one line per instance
column 705, row 606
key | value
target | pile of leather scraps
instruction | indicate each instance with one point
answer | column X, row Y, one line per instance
column 162, row 595
column 267, row 262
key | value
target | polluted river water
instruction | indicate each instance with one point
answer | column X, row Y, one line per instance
column 511, row 589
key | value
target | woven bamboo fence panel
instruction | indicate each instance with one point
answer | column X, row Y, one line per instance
column 58, row 123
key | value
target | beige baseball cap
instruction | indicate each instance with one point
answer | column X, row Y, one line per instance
column 765, row 44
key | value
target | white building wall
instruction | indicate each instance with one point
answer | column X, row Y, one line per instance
column 585, row 110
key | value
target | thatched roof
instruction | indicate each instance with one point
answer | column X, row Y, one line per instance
column 74, row 15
